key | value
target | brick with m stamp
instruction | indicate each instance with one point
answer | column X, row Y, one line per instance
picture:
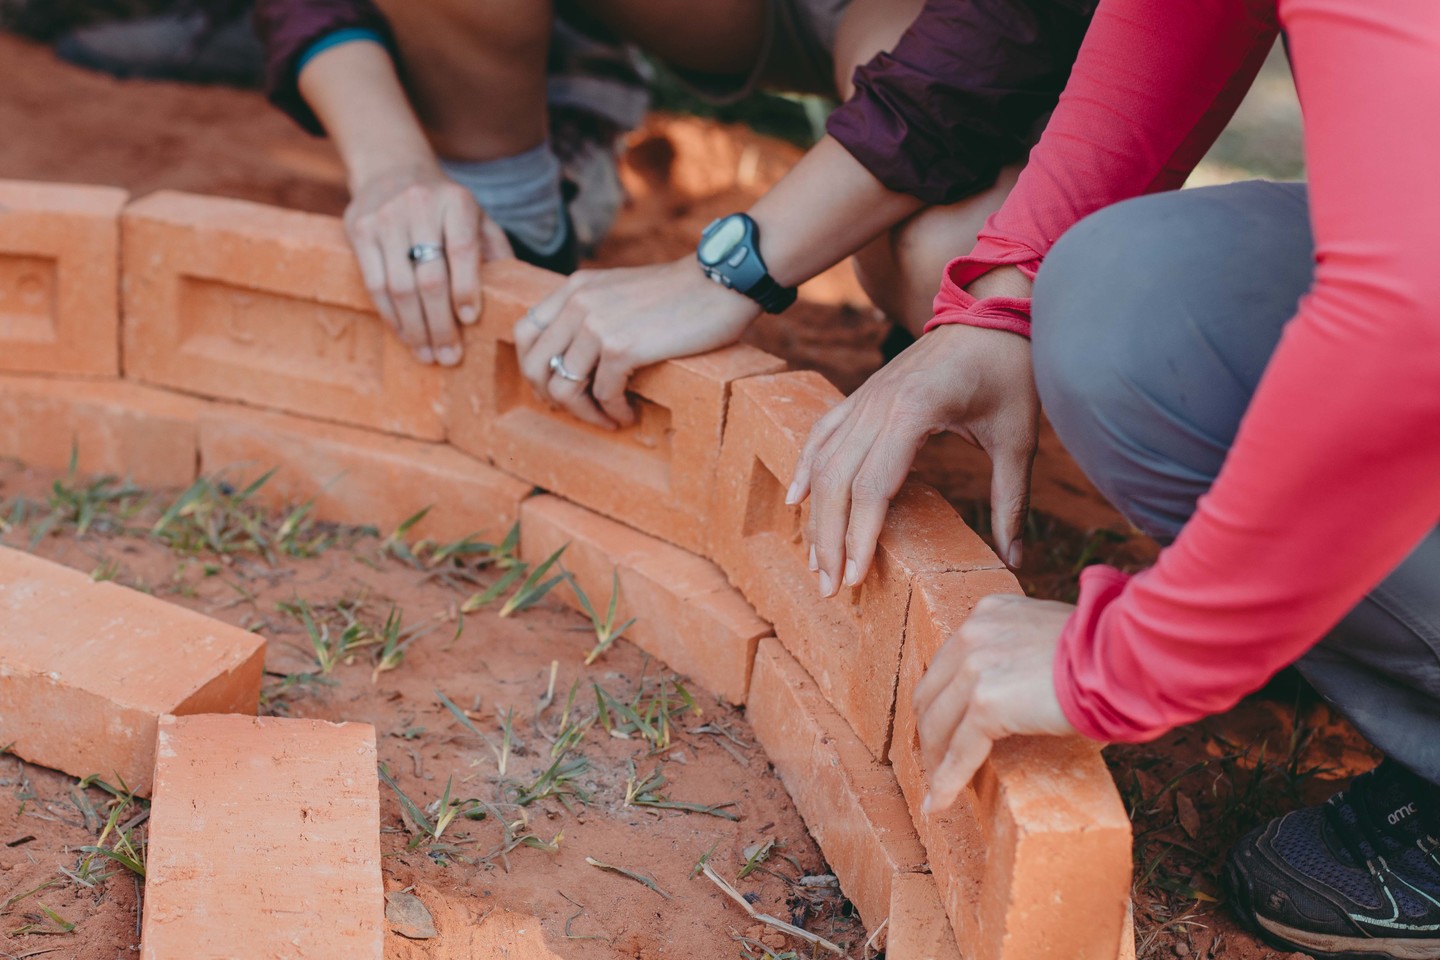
column 239, row 301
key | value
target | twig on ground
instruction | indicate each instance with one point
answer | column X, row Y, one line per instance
column 639, row 878
column 765, row 918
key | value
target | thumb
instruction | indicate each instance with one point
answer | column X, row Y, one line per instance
column 1010, row 500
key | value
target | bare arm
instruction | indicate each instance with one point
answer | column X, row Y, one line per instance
column 400, row 198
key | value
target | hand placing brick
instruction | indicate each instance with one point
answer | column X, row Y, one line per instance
column 87, row 669
column 850, row 643
column 656, row 476
column 359, row 476
column 686, row 612
column 850, row 801
column 60, row 278
column 239, row 301
column 1033, row 862
column 264, row 842
column 123, row 429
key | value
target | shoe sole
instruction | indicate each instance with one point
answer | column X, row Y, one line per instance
column 1319, row 945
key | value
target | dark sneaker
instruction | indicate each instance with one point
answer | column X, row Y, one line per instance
column 565, row 259
column 1355, row 877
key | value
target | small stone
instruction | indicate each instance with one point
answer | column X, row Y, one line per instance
column 409, row 917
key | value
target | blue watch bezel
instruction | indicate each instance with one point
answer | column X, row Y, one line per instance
column 741, row 268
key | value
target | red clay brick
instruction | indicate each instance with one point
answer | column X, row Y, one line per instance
column 264, row 832
column 118, row 428
column 919, row 929
column 1033, row 862
column 850, row 644
column 850, row 802
column 687, row 613
column 656, row 476
column 87, row 669
column 60, row 278
column 359, row 476
column 240, row 301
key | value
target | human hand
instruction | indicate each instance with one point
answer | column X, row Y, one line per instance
column 606, row 324
column 971, row 381
column 417, row 205
column 993, row 678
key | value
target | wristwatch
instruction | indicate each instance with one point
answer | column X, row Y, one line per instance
column 729, row 253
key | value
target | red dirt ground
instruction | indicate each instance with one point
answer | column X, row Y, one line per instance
column 488, row 666
column 1191, row 793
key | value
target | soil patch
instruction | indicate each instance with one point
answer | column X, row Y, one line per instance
column 520, row 875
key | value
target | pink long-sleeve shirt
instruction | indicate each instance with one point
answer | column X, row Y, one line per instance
column 1334, row 476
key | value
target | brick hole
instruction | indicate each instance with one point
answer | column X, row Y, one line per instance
column 27, row 299
column 765, row 507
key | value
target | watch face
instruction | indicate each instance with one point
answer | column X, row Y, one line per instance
column 720, row 244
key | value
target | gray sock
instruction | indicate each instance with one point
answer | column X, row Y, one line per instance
column 521, row 193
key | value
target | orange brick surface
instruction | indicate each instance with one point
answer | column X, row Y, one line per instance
column 264, row 842
column 850, row 643
column 1033, row 862
column 687, row 613
column 239, row 301
column 360, row 476
column 60, row 278
column 656, row 476
column 850, row 802
column 123, row 429
column 87, row 669
column 919, row 929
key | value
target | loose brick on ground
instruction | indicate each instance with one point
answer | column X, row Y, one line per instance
column 686, row 612
column 850, row 802
column 919, row 929
column 240, row 301
column 60, row 278
column 123, row 429
column 264, row 841
column 87, row 669
column 656, row 476
column 1032, row 862
column 360, row 476
column 850, row 643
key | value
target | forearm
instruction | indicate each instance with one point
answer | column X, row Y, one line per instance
column 825, row 209
column 355, row 91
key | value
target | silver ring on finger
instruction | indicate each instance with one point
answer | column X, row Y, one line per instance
column 425, row 252
column 557, row 367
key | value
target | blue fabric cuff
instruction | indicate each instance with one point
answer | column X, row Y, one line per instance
column 347, row 35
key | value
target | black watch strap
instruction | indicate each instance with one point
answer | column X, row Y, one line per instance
column 772, row 297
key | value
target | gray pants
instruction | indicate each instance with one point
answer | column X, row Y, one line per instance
column 1154, row 320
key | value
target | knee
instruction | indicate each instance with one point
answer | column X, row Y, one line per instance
column 1098, row 309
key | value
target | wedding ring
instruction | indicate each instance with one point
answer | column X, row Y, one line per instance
column 425, row 252
column 557, row 367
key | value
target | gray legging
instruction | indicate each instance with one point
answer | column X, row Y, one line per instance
column 1154, row 320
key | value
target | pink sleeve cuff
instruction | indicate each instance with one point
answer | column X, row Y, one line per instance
column 996, row 313
column 1080, row 674
column 954, row 305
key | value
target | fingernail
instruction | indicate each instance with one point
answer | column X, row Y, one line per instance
column 827, row 584
column 468, row 314
column 792, row 496
column 852, row 573
column 424, row 355
column 448, row 356
column 927, row 806
column 814, row 562
column 1015, row 555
